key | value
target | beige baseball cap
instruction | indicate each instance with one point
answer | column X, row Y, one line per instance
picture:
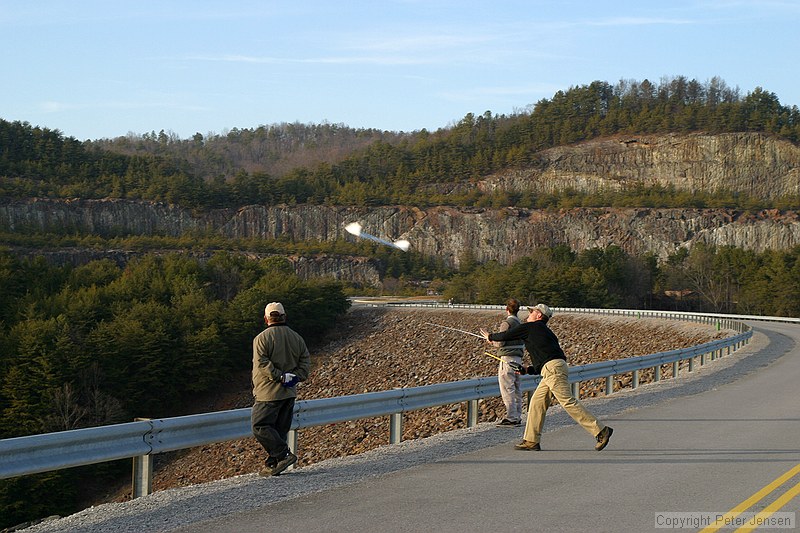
column 545, row 310
column 274, row 307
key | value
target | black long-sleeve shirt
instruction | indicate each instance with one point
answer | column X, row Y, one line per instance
column 540, row 341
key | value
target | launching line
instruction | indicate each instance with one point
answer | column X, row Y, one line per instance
column 355, row 229
column 455, row 329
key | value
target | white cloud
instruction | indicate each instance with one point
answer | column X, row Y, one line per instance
column 481, row 93
column 636, row 21
column 58, row 107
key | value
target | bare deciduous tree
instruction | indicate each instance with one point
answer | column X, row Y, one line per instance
column 66, row 412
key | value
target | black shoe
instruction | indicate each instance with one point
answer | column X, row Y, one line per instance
column 528, row 445
column 603, row 437
column 284, row 463
column 506, row 423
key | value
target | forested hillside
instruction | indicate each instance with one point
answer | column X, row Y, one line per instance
column 335, row 164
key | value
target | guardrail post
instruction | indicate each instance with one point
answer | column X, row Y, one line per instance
column 395, row 428
column 472, row 413
column 609, row 385
column 635, row 379
column 691, row 364
column 657, row 373
column 142, row 477
column 675, row 365
column 702, row 359
column 291, row 441
column 576, row 389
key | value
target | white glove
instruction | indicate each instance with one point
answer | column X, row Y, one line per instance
column 288, row 379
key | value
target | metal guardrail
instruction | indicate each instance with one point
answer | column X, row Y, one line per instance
column 143, row 439
column 637, row 313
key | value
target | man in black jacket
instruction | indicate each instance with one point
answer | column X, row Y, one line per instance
column 548, row 360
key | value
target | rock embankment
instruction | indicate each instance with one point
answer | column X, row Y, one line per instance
column 375, row 349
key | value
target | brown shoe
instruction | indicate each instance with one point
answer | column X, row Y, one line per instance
column 528, row 445
column 603, row 437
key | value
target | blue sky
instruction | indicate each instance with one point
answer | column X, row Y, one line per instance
column 103, row 69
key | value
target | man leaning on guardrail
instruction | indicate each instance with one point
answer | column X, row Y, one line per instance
column 510, row 354
column 280, row 361
column 548, row 360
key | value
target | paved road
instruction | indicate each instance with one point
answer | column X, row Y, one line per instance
column 697, row 451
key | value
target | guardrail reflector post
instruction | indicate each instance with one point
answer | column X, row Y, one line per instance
column 142, row 478
column 472, row 413
column 291, row 440
column 395, row 428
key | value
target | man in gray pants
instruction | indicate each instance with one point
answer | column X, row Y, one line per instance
column 508, row 378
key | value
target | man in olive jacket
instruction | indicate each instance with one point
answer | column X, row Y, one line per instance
column 280, row 361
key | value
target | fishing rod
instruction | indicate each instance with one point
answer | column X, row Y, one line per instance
column 514, row 366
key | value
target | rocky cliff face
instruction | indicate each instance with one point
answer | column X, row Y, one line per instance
column 755, row 164
column 500, row 234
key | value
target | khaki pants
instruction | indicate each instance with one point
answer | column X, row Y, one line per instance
column 555, row 383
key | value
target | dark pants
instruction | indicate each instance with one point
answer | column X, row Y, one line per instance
column 271, row 422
